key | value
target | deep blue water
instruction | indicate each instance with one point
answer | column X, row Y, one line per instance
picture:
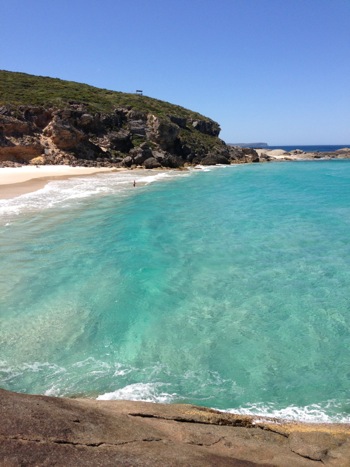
column 228, row 287
column 311, row 148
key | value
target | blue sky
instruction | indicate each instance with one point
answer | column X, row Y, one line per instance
column 276, row 71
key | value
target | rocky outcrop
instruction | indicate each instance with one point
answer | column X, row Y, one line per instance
column 163, row 132
column 125, row 137
column 271, row 155
column 52, row 121
column 214, row 159
column 244, row 155
column 63, row 135
column 43, row 431
column 208, row 128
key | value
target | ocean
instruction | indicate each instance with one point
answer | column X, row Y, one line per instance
column 226, row 287
column 311, row 148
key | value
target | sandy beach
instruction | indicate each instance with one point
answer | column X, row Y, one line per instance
column 20, row 180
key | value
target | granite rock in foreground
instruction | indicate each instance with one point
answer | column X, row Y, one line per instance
column 40, row 430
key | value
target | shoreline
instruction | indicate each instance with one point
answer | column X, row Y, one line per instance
column 38, row 430
column 27, row 179
column 17, row 181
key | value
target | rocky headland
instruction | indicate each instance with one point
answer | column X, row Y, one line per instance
column 124, row 137
column 46, row 121
column 50, row 121
column 46, row 431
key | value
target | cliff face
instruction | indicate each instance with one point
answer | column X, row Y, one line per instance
column 44, row 431
column 50, row 121
column 123, row 137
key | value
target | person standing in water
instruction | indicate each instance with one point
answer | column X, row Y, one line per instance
column 134, row 184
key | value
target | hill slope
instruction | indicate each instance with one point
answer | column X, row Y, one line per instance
column 52, row 121
column 24, row 89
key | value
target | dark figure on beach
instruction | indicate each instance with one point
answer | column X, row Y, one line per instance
column 134, row 184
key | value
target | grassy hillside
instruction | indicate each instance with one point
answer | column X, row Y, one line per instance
column 24, row 89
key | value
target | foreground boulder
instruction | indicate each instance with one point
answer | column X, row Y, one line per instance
column 39, row 430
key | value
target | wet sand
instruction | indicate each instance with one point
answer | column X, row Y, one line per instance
column 26, row 179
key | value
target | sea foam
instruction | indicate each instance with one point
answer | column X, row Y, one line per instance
column 146, row 392
column 328, row 412
column 77, row 190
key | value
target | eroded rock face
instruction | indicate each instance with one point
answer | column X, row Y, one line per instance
column 43, row 431
column 151, row 163
column 243, row 155
column 209, row 128
column 120, row 141
column 11, row 126
column 63, row 135
column 163, row 132
column 124, row 137
column 214, row 159
column 20, row 153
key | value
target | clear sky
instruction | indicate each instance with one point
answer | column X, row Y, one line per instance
column 275, row 71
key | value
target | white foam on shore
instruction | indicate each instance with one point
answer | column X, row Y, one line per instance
column 146, row 392
column 69, row 192
column 209, row 168
column 150, row 178
column 59, row 383
column 327, row 412
column 72, row 191
column 54, row 391
column 313, row 413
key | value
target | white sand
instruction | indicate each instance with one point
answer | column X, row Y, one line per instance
column 25, row 179
column 11, row 175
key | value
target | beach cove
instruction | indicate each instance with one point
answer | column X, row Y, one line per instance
column 154, row 270
column 17, row 179
column 140, row 367
column 174, row 280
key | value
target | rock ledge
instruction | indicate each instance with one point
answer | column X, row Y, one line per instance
column 45, row 431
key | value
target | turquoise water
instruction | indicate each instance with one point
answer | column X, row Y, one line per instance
column 225, row 287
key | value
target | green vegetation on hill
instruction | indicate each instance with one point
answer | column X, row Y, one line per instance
column 82, row 122
column 24, row 89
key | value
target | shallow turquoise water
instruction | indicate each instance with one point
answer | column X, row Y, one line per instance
column 228, row 288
